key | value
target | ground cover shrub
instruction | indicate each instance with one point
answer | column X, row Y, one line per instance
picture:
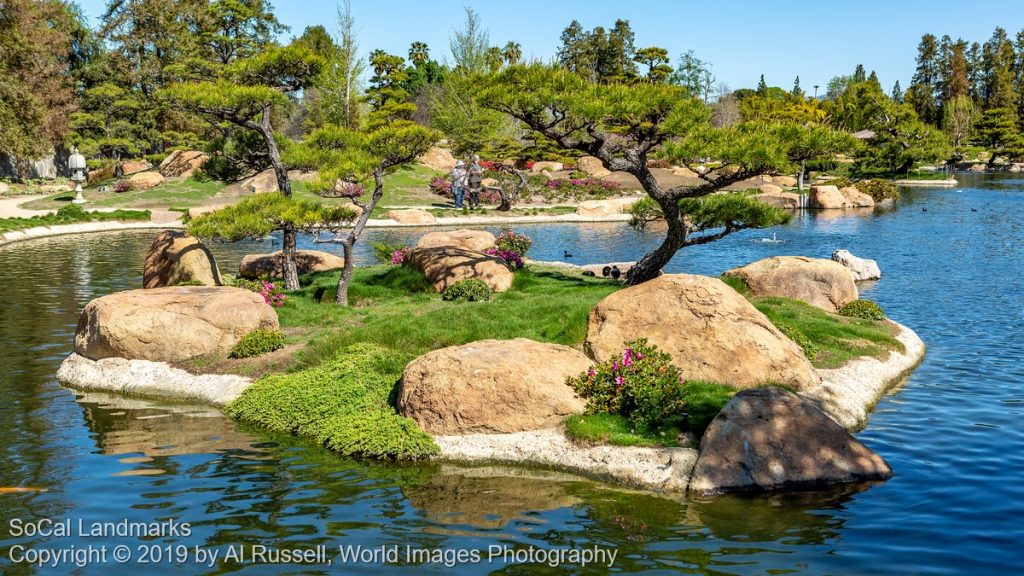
column 441, row 186
column 258, row 343
column 878, row 189
column 467, row 290
column 579, row 188
column 512, row 247
column 388, row 253
column 641, row 385
column 866, row 309
column 343, row 403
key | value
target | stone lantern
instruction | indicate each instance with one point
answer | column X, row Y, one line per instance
column 76, row 163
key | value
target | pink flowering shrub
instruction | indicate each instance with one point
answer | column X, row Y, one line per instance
column 512, row 247
column 272, row 293
column 122, row 186
column 349, row 190
column 580, row 188
column 441, row 186
column 640, row 384
column 398, row 256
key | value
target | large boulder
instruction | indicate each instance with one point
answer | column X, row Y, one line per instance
column 491, row 387
column 145, row 180
column 411, row 216
column 822, row 283
column 171, row 324
column 271, row 265
column 477, row 240
column 855, row 198
column 711, row 331
column 770, row 438
column 445, row 265
column 609, row 207
column 439, row 159
column 684, row 172
column 861, row 268
column 769, row 189
column 784, row 181
column 780, row 199
column 133, row 166
column 592, row 166
column 182, row 163
column 174, row 258
column 540, row 167
column 826, row 198
column 261, row 183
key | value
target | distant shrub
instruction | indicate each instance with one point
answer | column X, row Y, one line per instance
column 658, row 163
column 865, row 309
column 155, row 159
column 258, row 343
column 578, row 174
column 71, row 212
column 342, row 403
column 467, row 290
column 239, row 282
column 441, row 186
column 642, row 385
column 122, row 186
column 643, row 212
column 879, row 190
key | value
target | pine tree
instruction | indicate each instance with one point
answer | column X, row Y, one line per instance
column 858, row 74
column 797, row 92
column 897, row 93
column 762, row 87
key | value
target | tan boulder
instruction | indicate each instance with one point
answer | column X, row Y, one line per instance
column 769, row 189
column 684, row 172
column 261, row 183
column 445, row 265
column 784, row 181
column 182, row 163
column 607, row 207
column 476, row 240
column 856, row 199
column 822, row 283
column 271, row 265
column 439, row 159
column 99, row 175
column 171, row 324
column 787, row 200
column 539, row 167
column 978, row 167
column 133, row 166
column 489, row 182
column 770, row 438
column 145, row 180
column 175, row 257
column 1015, row 167
column 712, row 332
column 826, row 198
column 491, row 387
column 592, row 166
column 411, row 216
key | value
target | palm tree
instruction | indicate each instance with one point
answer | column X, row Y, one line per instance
column 419, row 53
column 494, row 58
column 513, row 53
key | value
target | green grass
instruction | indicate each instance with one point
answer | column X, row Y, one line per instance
column 403, row 187
column 704, row 400
column 179, row 193
column 835, row 338
column 10, row 224
column 396, row 307
column 345, row 404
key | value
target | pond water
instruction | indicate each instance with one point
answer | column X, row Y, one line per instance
column 954, row 433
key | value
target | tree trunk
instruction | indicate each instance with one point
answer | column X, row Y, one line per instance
column 800, row 178
column 346, row 273
column 649, row 267
column 355, row 235
column 291, row 270
column 905, row 167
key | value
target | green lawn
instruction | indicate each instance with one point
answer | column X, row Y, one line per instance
column 72, row 215
column 171, row 194
column 404, row 187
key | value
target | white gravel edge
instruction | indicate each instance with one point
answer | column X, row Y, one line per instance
column 83, row 228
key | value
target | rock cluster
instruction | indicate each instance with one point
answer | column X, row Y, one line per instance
column 822, row 283
column 861, row 268
column 445, row 265
column 271, row 265
column 833, row 197
column 182, row 163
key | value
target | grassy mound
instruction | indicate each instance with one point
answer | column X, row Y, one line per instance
column 72, row 214
column 344, row 404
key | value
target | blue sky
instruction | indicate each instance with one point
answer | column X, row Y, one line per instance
column 742, row 39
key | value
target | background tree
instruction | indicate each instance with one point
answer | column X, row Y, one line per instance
column 997, row 131
column 512, row 52
column 656, row 60
column 797, row 92
column 693, row 74
column 419, row 53
column 813, row 142
column 246, row 98
column 599, row 55
column 623, row 124
column 387, row 96
column 351, row 162
column 900, row 139
column 469, row 45
column 340, row 83
column 958, row 116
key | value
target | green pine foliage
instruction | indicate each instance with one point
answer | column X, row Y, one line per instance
column 258, row 216
column 343, row 404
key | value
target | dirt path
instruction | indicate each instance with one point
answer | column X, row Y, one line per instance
column 10, row 207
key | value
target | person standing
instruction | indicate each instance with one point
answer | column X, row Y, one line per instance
column 459, row 178
column 476, row 177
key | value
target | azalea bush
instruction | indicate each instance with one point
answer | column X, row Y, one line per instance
column 122, row 186
column 512, row 247
column 576, row 188
column 641, row 385
column 441, row 186
column 272, row 293
column 388, row 253
column 398, row 256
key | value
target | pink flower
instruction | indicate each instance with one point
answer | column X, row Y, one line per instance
column 619, row 381
column 591, row 373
